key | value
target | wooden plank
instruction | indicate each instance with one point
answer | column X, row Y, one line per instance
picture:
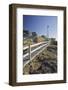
column 33, row 51
column 34, row 45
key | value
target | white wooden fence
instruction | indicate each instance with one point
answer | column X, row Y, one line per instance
column 39, row 47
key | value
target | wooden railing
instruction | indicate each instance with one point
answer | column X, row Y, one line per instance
column 37, row 48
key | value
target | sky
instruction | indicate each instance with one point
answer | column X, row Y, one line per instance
column 41, row 25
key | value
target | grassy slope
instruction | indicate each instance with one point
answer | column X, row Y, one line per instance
column 48, row 54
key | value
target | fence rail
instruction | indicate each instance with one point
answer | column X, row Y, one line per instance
column 34, row 45
column 32, row 53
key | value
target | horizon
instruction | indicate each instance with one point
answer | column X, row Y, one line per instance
column 34, row 23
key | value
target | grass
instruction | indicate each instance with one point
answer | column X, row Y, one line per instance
column 36, row 63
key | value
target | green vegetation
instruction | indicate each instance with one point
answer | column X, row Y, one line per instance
column 53, row 41
column 46, row 39
column 27, row 42
column 32, row 37
column 35, row 39
column 38, row 39
column 38, row 64
column 46, row 61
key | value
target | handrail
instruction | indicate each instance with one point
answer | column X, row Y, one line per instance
column 34, row 50
column 26, row 47
column 25, row 55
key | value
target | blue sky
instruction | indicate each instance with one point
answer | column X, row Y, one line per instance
column 39, row 24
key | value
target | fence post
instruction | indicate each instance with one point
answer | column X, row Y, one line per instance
column 29, row 52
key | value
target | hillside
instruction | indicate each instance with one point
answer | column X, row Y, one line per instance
column 45, row 62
